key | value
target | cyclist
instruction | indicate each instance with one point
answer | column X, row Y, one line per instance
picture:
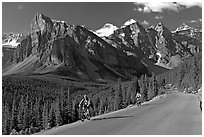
column 84, row 104
column 138, row 98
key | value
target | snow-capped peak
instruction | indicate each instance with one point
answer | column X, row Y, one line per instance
column 12, row 40
column 106, row 30
column 183, row 26
column 59, row 21
column 130, row 21
column 108, row 25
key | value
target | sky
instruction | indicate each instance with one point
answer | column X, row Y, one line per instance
column 17, row 16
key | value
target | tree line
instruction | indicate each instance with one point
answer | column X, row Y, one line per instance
column 29, row 113
column 186, row 77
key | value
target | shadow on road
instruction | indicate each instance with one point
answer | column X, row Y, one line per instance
column 116, row 117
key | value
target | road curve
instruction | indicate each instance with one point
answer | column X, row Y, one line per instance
column 174, row 114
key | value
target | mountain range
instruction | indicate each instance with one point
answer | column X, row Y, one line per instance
column 59, row 48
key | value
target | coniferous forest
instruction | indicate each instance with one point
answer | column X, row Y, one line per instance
column 30, row 106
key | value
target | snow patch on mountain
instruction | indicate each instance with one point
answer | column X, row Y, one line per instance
column 182, row 27
column 159, row 59
column 109, row 28
column 12, row 40
column 11, row 43
column 131, row 21
column 59, row 21
column 106, row 30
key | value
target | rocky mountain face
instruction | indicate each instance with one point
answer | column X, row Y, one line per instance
column 133, row 40
column 60, row 48
column 158, row 44
column 188, row 31
column 9, row 43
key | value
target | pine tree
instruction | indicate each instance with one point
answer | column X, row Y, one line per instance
column 32, row 116
column 14, row 121
column 21, row 113
column 155, row 86
column 110, row 106
column 69, row 98
column 97, row 105
column 45, row 115
column 144, row 88
column 5, row 120
column 196, row 73
column 52, row 118
column 38, row 110
column 67, row 107
column 104, row 105
column 26, row 113
column 124, row 97
column 135, row 89
column 101, row 107
column 128, row 98
column 58, row 111
column 199, row 57
column 181, row 76
column 75, row 109
column 119, row 98
column 150, row 92
column 112, row 96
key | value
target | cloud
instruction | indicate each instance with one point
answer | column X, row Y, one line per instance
column 194, row 21
column 154, row 6
column 158, row 17
column 20, row 7
column 145, row 22
column 190, row 4
column 161, row 6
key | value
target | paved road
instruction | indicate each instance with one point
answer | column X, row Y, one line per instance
column 174, row 114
